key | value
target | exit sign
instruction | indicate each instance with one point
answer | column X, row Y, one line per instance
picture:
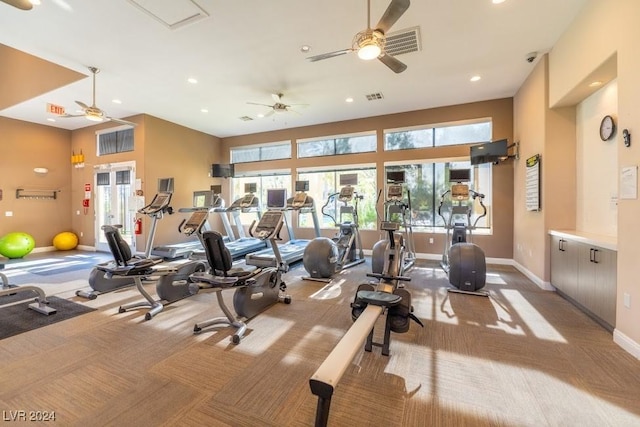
column 55, row 109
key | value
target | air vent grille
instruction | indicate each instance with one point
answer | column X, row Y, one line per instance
column 246, row 118
column 403, row 41
column 374, row 96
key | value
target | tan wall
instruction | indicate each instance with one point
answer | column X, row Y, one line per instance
column 499, row 245
column 184, row 154
column 606, row 29
column 23, row 147
column 162, row 149
column 550, row 133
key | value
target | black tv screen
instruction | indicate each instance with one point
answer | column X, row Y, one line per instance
column 276, row 198
column 489, row 152
column 302, row 185
column 395, row 177
column 222, row 170
column 459, row 175
column 348, row 179
column 251, row 187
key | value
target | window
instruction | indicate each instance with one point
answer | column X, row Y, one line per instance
column 326, row 182
column 427, row 182
column 257, row 153
column 331, row 146
column 264, row 181
column 438, row 136
column 118, row 141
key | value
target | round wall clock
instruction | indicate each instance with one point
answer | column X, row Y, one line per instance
column 607, row 128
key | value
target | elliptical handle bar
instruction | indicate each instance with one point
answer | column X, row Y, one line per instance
column 484, row 208
column 331, row 197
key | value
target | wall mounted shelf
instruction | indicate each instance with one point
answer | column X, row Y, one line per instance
column 25, row 193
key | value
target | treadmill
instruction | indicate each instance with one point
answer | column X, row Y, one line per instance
column 249, row 203
column 204, row 202
column 293, row 250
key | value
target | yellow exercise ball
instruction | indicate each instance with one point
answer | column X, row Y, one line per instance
column 65, row 241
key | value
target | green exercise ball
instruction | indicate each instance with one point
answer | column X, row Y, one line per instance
column 16, row 245
column 65, row 241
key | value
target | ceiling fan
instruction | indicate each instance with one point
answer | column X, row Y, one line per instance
column 279, row 106
column 20, row 4
column 92, row 112
column 370, row 43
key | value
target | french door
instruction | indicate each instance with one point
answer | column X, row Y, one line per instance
column 114, row 201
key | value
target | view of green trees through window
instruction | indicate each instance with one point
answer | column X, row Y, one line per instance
column 438, row 136
column 322, row 184
column 257, row 153
column 426, row 182
column 340, row 145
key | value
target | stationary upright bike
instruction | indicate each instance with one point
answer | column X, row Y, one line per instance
column 323, row 257
column 463, row 260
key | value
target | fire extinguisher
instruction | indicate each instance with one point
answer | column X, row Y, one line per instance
column 137, row 226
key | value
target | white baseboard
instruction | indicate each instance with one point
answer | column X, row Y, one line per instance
column 547, row 286
column 43, row 249
column 627, row 344
column 86, row 248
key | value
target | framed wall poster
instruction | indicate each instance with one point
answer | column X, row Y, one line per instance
column 532, row 183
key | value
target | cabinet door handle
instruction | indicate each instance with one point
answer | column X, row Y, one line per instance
column 561, row 245
column 595, row 251
column 590, row 254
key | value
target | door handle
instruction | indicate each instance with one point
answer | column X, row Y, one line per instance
column 595, row 260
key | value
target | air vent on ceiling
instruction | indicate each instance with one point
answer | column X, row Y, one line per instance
column 246, row 118
column 172, row 13
column 374, row 96
column 403, row 41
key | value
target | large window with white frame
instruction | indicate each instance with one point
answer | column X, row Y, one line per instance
column 438, row 136
column 325, row 182
column 260, row 152
column 264, row 181
column 428, row 180
column 335, row 145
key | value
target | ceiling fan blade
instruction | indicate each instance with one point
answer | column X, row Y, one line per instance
column 329, row 55
column 394, row 11
column 66, row 116
column 391, row 62
column 122, row 122
column 263, row 105
column 82, row 104
column 20, row 4
column 276, row 97
column 269, row 113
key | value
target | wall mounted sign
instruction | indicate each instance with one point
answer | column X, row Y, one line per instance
column 532, row 183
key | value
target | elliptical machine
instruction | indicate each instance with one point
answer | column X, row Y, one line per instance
column 398, row 211
column 323, row 257
column 462, row 260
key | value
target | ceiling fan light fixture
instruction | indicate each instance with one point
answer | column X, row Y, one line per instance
column 369, row 50
column 94, row 117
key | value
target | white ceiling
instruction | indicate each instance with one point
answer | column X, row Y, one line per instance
column 245, row 50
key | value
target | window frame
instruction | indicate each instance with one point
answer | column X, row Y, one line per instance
column 370, row 133
column 259, row 147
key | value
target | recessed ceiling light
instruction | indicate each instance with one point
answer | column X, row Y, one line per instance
column 305, row 48
column 51, row 120
column 595, row 84
column 204, row 110
column 349, row 99
column 192, row 80
column 260, row 115
column 497, row 1
column 475, row 78
column 116, row 101
column 35, row 2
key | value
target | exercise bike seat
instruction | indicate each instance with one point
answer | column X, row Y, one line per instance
column 213, row 280
column 140, row 268
column 383, row 299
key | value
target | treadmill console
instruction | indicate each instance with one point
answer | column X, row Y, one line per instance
column 247, row 201
column 346, row 194
column 268, row 224
column 299, row 200
column 159, row 203
column 195, row 221
column 460, row 192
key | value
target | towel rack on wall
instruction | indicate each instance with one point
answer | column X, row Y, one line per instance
column 23, row 193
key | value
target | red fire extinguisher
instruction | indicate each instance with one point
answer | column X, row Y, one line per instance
column 137, row 226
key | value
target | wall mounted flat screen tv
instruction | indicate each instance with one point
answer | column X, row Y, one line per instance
column 222, row 170
column 276, row 198
column 489, row 152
